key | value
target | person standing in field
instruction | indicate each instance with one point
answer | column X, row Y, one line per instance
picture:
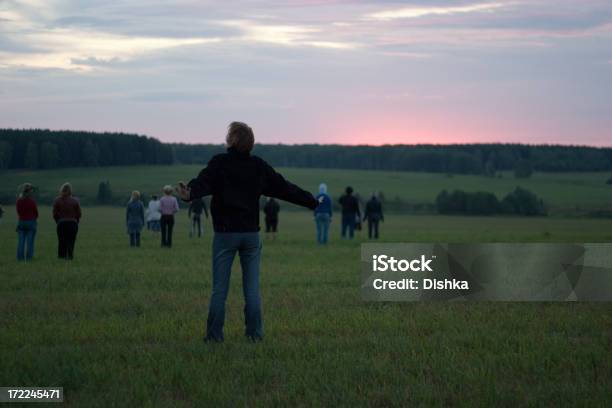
column 236, row 179
column 153, row 214
column 27, row 213
column 67, row 215
column 134, row 218
column 350, row 212
column 323, row 214
column 358, row 214
column 271, row 210
column 196, row 207
column 168, row 206
column 374, row 214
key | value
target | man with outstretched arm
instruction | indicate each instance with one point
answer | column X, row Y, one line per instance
column 236, row 180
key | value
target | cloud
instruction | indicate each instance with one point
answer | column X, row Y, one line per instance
column 416, row 12
column 98, row 34
column 81, row 49
column 406, row 54
column 94, row 62
column 288, row 35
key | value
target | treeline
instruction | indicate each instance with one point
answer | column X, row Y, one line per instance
column 518, row 202
column 39, row 148
column 485, row 159
column 45, row 149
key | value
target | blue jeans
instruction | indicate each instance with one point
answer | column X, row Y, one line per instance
column 25, row 243
column 322, row 220
column 225, row 246
column 348, row 222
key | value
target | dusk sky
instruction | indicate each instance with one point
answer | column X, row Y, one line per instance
column 351, row 72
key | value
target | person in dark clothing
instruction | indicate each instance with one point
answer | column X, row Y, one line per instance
column 168, row 206
column 27, row 213
column 271, row 210
column 236, row 179
column 350, row 212
column 374, row 214
column 196, row 207
column 67, row 215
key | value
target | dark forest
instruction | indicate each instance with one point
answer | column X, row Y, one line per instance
column 45, row 149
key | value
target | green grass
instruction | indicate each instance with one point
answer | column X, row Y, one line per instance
column 563, row 192
column 123, row 327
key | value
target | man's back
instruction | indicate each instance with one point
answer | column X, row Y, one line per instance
column 349, row 204
column 236, row 182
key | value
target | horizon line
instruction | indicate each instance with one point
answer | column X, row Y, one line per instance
column 467, row 143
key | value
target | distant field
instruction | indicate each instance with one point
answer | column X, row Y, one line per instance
column 123, row 327
column 565, row 193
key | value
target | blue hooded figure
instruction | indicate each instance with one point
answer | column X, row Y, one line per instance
column 323, row 214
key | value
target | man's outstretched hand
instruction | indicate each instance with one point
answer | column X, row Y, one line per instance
column 183, row 191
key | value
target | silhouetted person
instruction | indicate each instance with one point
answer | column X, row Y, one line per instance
column 358, row 215
column 168, row 206
column 236, row 180
column 67, row 215
column 323, row 214
column 196, row 207
column 27, row 213
column 350, row 212
column 134, row 218
column 374, row 214
column 271, row 210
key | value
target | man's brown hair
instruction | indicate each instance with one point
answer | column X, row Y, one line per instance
column 240, row 136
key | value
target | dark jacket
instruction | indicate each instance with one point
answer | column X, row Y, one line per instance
column 236, row 182
column 271, row 210
column 197, row 207
column 373, row 210
column 350, row 205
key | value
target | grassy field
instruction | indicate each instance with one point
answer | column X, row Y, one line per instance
column 574, row 193
column 123, row 327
